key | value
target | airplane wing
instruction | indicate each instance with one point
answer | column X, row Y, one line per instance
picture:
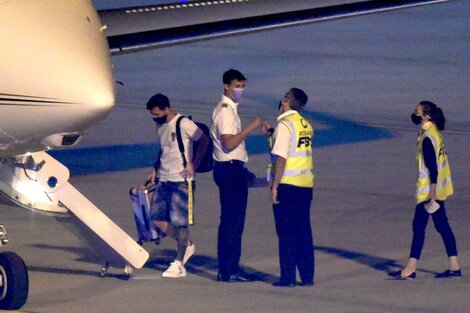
column 131, row 29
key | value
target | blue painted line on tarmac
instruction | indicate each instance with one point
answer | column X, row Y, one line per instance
column 95, row 160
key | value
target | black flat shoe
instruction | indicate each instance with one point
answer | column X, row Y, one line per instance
column 307, row 284
column 281, row 283
column 397, row 275
column 449, row 274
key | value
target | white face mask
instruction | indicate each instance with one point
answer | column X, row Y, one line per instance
column 237, row 94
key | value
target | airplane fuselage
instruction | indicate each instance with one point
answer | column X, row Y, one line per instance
column 56, row 78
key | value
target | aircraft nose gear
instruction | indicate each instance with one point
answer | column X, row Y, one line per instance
column 14, row 283
column 3, row 236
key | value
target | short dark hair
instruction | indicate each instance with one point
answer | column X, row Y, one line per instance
column 231, row 75
column 158, row 100
column 299, row 99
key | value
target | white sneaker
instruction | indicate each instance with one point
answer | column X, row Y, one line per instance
column 190, row 250
column 175, row 270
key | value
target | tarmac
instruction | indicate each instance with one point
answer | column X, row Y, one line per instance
column 364, row 77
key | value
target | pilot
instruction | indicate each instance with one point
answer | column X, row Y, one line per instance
column 231, row 175
column 292, row 190
column 175, row 182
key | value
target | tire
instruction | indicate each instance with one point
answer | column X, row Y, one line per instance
column 14, row 284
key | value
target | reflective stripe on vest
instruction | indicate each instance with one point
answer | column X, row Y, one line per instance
column 299, row 164
column 444, row 186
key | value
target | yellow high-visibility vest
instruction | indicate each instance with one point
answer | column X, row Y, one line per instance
column 299, row 164
column 444, row 186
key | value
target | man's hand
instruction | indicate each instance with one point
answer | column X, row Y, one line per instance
column 231, row 142
column 256, row 123
column 274, row 195
column 152, row 176
column 267, row 129
column 188, row 172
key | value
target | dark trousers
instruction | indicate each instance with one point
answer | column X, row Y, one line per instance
column 232, row 180
column 441, row 224
column 292, row 219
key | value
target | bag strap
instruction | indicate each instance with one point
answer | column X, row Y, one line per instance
column 180, row 140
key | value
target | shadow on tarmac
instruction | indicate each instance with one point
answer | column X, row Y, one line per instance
column 206, row 266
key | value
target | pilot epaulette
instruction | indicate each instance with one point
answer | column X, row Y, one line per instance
column 224, row 105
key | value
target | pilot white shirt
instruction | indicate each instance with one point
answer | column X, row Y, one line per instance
column 282, row 137
column 225, row 121
column 171, row 162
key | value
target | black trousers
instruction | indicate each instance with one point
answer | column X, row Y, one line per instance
column 232, row 180
column 441, row 224
column 292, row 219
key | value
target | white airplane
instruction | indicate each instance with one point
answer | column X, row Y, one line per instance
column 56, row 82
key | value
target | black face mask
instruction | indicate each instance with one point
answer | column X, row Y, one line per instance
column 416, row 119
column 280, row 105
column 160, row 120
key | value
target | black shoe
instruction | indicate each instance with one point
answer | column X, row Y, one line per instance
column 397, row 275
column 307, row 284
column 281, row 283
column 240, row 277
column 221, row 277
column 449, row 274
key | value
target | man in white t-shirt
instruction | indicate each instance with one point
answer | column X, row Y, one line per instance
column 175, row 180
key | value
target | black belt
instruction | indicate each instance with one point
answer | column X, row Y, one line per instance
column 238, row 162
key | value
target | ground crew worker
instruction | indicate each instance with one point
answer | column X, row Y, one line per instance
column 292, row 190
column 433, row 187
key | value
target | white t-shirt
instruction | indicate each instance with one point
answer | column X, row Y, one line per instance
column 282, row 137
column 171, row 161
column 225, row 121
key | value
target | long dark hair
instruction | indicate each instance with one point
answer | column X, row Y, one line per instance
column 435, row 114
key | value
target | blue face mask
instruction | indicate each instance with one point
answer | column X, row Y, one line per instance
column 237, row 94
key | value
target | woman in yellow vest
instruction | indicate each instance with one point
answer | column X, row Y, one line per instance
column 434, row 185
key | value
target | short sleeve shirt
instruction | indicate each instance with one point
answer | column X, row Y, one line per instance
column 171, row 161
column 225, row 121
column 282, row 137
